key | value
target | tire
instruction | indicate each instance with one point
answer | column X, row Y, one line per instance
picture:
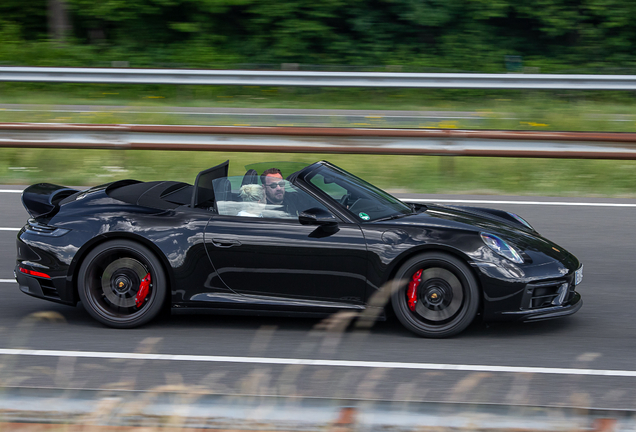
column 110, row 278
column 446, row 293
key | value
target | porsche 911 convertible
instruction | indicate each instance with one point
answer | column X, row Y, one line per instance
column 310, row 241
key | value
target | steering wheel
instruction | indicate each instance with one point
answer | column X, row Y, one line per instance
column 344, row 201
column 357, row 204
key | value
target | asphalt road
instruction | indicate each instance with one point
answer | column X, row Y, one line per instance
column 599, row 337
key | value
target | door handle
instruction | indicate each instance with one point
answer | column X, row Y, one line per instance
column 225, row 243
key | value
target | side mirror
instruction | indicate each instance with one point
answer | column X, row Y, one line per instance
column 317, row 216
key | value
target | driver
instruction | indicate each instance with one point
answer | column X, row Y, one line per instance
column 274, row 184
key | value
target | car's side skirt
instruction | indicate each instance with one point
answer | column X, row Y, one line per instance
column 237, row 304
column 253, row 312
column 270, row 301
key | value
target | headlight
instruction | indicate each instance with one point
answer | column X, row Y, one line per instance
column 501, row 247
column 578, row 276
column 521, row 220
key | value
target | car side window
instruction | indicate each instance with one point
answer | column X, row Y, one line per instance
column 236, row 199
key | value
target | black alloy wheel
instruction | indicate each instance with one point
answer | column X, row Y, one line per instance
column 438, row 295
column 122, row 284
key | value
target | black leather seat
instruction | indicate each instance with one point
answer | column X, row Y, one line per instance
column 250, row 177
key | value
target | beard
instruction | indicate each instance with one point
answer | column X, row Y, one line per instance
column 276, row 197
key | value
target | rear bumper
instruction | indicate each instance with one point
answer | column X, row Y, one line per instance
column 39, row 287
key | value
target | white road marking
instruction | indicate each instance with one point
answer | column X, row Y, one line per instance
column 554, row 203
column 7, row 281
column 10, row 229
column 10, row 191
column 313, row 362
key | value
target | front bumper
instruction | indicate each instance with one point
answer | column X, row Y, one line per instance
column 547, row 295
column 572, row 306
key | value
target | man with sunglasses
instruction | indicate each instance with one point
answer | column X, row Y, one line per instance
column 274, row 184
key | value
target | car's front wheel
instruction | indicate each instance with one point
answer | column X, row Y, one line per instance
column 438, row 295
column 121, row 284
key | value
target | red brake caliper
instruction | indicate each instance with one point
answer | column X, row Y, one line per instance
column 144, row 288
column 412, row 292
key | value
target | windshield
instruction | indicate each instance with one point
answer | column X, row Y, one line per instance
column 365, row 201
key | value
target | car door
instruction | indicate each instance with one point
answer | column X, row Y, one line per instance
column 278, row 257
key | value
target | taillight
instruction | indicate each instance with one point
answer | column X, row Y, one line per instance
column 36, row 227
column 34, row 273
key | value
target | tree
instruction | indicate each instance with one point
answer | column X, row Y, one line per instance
column 59, row 23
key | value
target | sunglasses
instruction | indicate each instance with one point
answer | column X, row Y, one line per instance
column 276, row 184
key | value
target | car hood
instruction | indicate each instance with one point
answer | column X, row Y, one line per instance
column 467, row 218
column 456, row 218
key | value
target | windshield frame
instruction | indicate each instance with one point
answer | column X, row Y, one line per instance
column 394, row 206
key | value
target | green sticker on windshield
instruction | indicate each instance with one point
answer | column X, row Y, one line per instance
column 364, row 216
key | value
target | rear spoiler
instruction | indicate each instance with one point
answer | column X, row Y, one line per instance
column 43, row 199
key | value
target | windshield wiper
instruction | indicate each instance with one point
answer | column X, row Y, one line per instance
column 395, row 216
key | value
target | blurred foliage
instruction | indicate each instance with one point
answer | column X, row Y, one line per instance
column 475, row 35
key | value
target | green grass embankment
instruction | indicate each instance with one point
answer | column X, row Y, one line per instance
column 514, row 110
column 510, row 109
column 424, row 174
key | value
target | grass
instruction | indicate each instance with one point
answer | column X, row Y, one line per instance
column 424, row 174
column 512, row 110
column 501, row 109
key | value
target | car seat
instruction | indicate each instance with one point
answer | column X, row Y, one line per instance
column 250, row 177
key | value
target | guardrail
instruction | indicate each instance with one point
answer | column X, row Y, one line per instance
column 321, row 79
column 450, row 142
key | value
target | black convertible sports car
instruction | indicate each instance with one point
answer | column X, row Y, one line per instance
column 328, row 242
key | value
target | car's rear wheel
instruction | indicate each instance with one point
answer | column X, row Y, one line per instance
column 438, row 295
column 121, row 284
